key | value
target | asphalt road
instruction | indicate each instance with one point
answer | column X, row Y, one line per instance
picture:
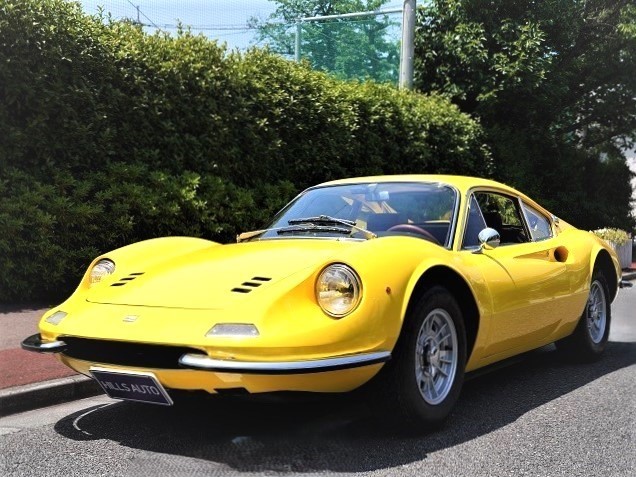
column 538, row 417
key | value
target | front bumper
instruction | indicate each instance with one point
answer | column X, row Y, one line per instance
column 35, row 343
column 205, row 363
column 202, row 362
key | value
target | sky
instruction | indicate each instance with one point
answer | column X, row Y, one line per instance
column 223, row 20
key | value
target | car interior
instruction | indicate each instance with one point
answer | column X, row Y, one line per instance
column 496, row 211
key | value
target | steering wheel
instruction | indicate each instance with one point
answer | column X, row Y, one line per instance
column 410, row 228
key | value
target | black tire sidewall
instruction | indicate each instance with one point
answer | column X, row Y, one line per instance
column 411, row 401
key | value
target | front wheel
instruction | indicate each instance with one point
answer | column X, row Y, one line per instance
column 426, row 372
column 592, row 332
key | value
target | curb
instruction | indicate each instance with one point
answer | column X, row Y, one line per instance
column 629, row 276
column 46, row 393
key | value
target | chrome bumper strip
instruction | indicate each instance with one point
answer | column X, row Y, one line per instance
column 35, row 343
column 198, row 361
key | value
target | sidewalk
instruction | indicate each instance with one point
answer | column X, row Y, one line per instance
column 30, row 380
column 22, row 367
column 630, row 273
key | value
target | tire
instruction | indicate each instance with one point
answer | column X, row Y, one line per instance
column 425, row 375
column 590, row 336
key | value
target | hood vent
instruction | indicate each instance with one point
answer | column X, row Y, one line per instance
column 129, row 278
column 249, row 285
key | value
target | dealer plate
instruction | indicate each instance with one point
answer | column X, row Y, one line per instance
column 131, row 386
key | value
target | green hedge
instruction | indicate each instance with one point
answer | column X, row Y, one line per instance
column 110, row 136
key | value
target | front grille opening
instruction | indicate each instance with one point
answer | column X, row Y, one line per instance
column 125, row 353
column 261, row 279
column 232, row 391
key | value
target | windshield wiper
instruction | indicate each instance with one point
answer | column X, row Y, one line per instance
column 312, row 228
column 327, row 219
column 321, row 219
column 312, row 224
column 293, row 229
column 248, row 235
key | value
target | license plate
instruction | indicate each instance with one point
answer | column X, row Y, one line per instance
column 131, row 386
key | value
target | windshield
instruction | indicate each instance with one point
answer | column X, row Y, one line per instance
column 382, row 208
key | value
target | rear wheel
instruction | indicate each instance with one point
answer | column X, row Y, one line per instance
column 592, row 332
column 424, row 378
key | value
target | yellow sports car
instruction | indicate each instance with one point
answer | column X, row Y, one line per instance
column 406, row 281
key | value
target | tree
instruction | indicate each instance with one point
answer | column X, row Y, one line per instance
column 352, row 48
column 553, row 82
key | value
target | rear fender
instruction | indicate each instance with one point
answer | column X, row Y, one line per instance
column 605, row 259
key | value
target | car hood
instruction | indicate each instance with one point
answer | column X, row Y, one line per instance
column 218, row 277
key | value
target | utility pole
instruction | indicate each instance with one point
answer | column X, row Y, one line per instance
column 408, row 44
column 299, row 35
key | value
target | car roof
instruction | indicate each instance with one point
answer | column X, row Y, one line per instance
column 462, row 183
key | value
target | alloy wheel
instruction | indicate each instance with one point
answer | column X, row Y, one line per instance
column 436, row 356
column 596, row 312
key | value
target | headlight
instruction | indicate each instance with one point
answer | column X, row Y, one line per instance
column 102, row 269
column 338, row 290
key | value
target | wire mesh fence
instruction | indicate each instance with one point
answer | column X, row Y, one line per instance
column 353, row 45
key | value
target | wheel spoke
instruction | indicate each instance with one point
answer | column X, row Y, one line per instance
column 442, row 328
column 441, row 371
column 433, row 390
column 429, row 327
column 445, row 338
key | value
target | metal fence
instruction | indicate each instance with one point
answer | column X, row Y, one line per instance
column 361, row 45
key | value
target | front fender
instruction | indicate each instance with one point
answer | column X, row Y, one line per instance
column 144, row 253
column 473, row 278
column 454, row 273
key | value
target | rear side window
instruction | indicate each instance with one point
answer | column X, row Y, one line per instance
column 538, row 223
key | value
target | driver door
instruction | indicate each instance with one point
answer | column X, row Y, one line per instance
column 525, row 275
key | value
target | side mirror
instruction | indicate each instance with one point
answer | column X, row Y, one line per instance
column 488, row 239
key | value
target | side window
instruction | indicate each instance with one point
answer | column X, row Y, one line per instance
column 502, row 213
column 538, row 224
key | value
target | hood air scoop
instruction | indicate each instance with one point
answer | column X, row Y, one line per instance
column 123, row 281
column 249, row 285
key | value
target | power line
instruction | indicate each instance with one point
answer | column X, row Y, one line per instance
column 136, row 7
column 228, row 27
